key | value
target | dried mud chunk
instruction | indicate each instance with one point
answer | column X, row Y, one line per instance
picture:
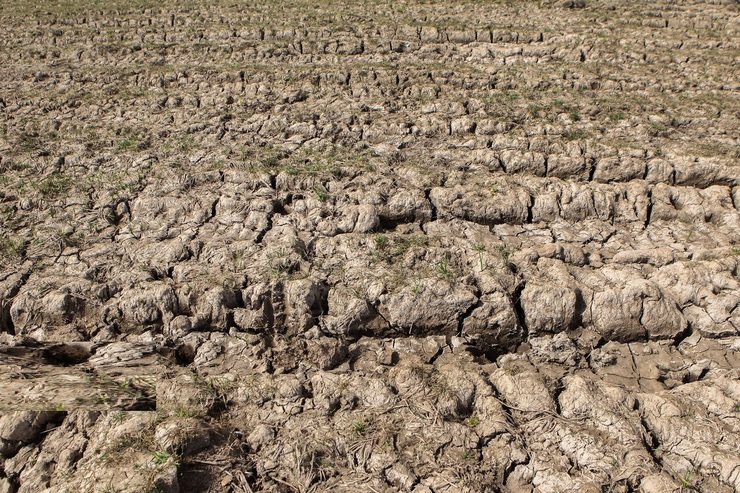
column 607, row 408
column 57, row 308
column 367, row 219
column 212, row 308
column 659, row 483
column 261, row 436
column 657, row 257
column 618, row 169
column 326, row 352
column 413, row 349
column 303, row 299
column 718, row 395
column 374, row 393
column 525, row 391
column 401, row 476
column 453, row 389
column 463, row 125
column 616, row 314
column 661, row 315
column 6, row 486
column 689, row 437
column 505, row 204
column 331, row 391
column 25, row 426
column 183, row 393
column 407, row 205
column 135, row 308
column 548, row 307
column 567, row 167
column 123, row 353
column 705, row 172
column 258, row 312
column 183, row 437
column 504, row 451
column 523, row 162
column 349, row 314
column 62, row 448
column 562, row 442
column 492, row 326
column 659, row 171
column 549, row 477
column 436, row 308
column 207, row 353
column 179, row 326
column 558, row 349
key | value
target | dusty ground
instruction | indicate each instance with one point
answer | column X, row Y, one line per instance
column 379, row 247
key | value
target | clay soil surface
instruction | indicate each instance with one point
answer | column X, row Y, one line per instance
column 409, row 246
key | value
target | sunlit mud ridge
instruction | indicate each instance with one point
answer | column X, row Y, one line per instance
column 417, row 247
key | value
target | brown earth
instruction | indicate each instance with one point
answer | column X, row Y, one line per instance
column 411, row 246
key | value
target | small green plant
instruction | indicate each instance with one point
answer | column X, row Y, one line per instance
column 505, row 253
column 381, row 241
column 417, row 288
column 573, row 134
column 127, row 144
column 278, row 263
column 480, row 248
column 686, row 478
column 103, row 399
column 658, row 130
column 271, row 161
column 59, row 407
column 186, row 144
column 159, row 458
column 443, row 266
column 735, row 251
column 236, row 258
column 359, row 427
column 118, row 417
column 616, row 116
column 473, row 421
column 575, row 116
column 54, row 185
column 12, row 248
column 181, row 411
column 29, row 142
column 321, row 193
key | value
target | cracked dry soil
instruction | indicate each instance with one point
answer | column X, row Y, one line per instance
column 389, row 246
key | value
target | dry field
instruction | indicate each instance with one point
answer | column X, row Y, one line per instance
column 410, row 246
